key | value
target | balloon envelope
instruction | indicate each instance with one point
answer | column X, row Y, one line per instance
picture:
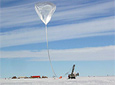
column 45, row 11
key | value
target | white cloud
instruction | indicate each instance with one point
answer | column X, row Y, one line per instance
column 35, row 35
column 87, row 11
column 25, row 14
column 92, row 53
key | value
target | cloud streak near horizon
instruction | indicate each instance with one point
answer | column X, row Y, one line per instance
column 89, row 53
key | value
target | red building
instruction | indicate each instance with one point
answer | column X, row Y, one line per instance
column 35, row 77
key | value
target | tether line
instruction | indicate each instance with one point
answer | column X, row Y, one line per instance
column 49, row 53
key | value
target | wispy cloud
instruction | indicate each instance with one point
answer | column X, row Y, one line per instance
column 25, row 14
column 92, row 53
column 26, row 36
column 20, row 37
column 87, row 11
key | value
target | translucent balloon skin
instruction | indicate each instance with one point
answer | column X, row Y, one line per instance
column 45, row 11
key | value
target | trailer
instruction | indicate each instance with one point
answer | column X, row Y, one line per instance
column 35, row 77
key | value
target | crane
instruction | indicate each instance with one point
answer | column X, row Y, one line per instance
column 73, row 75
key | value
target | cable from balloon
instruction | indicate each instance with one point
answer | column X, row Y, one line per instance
column 48, row 52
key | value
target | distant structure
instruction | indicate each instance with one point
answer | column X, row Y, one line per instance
column 44, row 77
column 35, row 77
column 23, row 77
column 14, row 77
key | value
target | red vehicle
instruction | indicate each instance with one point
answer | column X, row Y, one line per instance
column 35, row 77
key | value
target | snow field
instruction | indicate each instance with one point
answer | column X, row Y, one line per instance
column 63, row 81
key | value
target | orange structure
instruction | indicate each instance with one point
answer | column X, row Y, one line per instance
column 60, row 77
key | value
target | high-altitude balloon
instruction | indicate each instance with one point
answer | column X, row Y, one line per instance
column 45, row 11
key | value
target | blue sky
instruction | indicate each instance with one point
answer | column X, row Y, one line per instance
column 80, row 32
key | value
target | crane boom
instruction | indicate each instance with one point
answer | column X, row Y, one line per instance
column 73, row 75
column 73, row 69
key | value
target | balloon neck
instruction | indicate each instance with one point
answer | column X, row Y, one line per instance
column 45, row 24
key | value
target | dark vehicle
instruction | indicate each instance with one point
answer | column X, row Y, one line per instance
column 73, row 75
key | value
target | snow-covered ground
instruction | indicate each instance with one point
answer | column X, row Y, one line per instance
column 63, row 81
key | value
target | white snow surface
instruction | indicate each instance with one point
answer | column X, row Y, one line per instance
column 63, row 81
